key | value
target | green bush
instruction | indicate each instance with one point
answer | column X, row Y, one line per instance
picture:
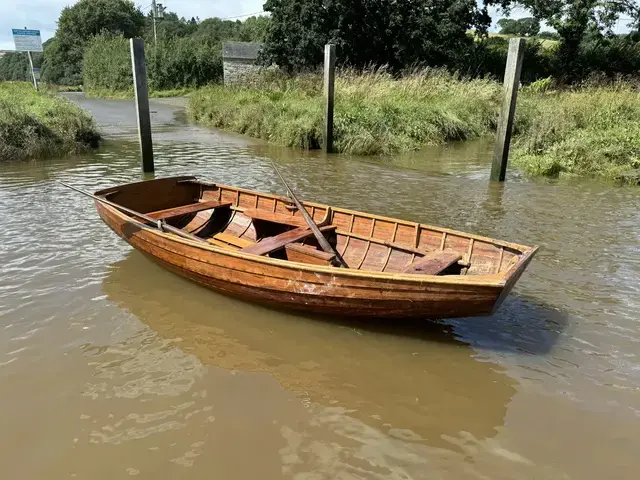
column 610, row 57
column 184, row 62
column 490, row 57
column 592, row 131
column 176, row 63
column 107, row 65
column 77, row 25
column 36, row 124
column 542, row 85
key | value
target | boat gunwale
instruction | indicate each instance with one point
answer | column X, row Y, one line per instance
column 408, row 223
column 495, row 280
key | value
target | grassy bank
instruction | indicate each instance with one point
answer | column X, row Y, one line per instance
column 591, row 131
column 39, row 124
column 594, row 131
column 374, row 114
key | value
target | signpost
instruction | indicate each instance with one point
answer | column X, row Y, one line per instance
column 28, row 41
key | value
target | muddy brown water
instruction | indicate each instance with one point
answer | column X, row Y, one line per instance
column 111, row 367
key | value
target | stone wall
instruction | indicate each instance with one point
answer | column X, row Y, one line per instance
column 239, row 60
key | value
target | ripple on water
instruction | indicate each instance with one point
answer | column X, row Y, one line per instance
column 570, row 329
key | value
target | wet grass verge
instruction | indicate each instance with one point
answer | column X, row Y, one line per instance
column 588, row 131
column 591, row 131
column 374, row 113
column 34, row 125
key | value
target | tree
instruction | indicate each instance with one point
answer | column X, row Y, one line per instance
column 254, row 29
column 548, row 35
column 507, row 26
column 396, row 33
column 216, row 30
column 574, row 20
column 14, row 66
column 77, row 25
column 523, row 27
column 170, row 26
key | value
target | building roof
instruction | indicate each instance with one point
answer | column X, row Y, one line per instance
column 241, row 50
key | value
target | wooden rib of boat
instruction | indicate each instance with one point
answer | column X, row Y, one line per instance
column 258, row 247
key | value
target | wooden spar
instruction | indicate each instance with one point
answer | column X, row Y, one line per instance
column 322, row 241
column 159, row 224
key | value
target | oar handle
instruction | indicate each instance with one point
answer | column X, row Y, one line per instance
column 322, row 241
column 159, row 224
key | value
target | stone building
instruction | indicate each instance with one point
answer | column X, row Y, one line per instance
column 239, row 60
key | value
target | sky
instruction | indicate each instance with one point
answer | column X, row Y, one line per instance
column 43, row 14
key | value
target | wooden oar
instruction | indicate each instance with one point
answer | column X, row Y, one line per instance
column 322, row 241
column 159, row 224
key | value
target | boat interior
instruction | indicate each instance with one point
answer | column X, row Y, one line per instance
column 269, row 225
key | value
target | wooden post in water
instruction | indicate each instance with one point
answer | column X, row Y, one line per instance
column 505, row 122
column 329, row 79
column 142, row 103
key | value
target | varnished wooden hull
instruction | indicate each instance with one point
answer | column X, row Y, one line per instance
column 314, row 288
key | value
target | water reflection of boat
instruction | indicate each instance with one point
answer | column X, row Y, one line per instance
column 415, row 383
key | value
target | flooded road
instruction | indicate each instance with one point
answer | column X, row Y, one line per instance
column 111, row 367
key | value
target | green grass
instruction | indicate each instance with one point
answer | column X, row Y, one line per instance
column 374, row 114
column 53, row 88
column 35, row 124
column 590, row 131
column 593, row 131
column 96, row 92
column 172, row 92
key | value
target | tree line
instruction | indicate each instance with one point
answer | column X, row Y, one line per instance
column 454, row 34
column 89, row 21
column 398, row 34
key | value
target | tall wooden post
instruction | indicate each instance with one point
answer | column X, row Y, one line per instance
column 505, row 122
column 142, row 103
column 329, row 80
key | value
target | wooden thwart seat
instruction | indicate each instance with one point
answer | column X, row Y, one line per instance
column 433, row 263
column 281, row 218
column 297, row 252
column 186, row 209
column 270, row 244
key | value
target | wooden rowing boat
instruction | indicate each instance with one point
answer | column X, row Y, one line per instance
column 258, row 247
